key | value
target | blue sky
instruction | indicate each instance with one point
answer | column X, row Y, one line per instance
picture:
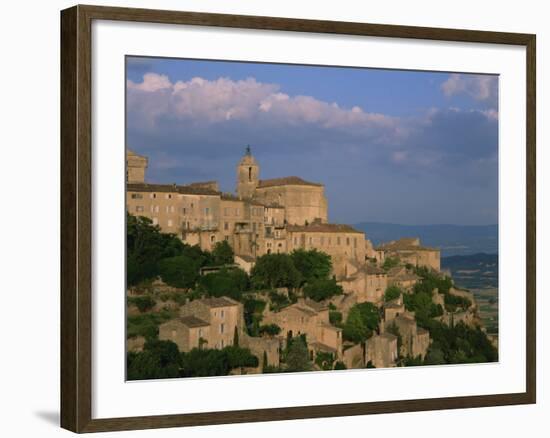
column 391, row 146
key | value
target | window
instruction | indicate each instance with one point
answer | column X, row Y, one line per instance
column 139, row 208
column 250, row 174
column 152, row 195
column 137, row 196
column 222, row 313
column 212, row 238
column 184, row 210
column 226, row 238
column 347, row 241
column 170, row 223
column 222, row 327
column 226, row 225
column 222, row 343
column 168, row 196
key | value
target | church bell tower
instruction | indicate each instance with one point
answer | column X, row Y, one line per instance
column 248, row 173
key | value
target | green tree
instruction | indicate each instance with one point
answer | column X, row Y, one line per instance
column 354, row 329
column 275, row 270
column 324, row 360
column 222, row 253
column 390, row 262
column 179, row 271
column 158, row 360
column 297, row 356
column 226, row 282
column 319, row 290
column 270, row 330
column 392, row 293
column 313, row 265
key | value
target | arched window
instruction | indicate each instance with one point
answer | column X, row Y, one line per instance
column 250, row 174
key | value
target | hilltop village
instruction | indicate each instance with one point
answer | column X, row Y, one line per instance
column 260, row 281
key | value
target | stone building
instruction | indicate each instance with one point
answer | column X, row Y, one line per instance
column 401, row 277
column 381, row 350
column 208, row 323
column 409, row 250
column 266, row 216
column 307, row 317
column 415, row 340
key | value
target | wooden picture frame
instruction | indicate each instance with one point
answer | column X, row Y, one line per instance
column 76, row 217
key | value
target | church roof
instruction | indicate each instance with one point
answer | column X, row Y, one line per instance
column 317, row 227
column 170, row 188
column 286, row 181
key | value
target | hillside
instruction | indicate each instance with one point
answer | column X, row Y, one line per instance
column 451, row 239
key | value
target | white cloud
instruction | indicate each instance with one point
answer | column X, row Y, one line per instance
column 151, row 82
column 212, row 101
column 479, row 87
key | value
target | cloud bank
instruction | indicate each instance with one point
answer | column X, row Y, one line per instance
column 192, row 129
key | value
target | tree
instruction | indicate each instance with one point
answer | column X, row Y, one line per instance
column 275, row 270
column 222, row 253
column 319, row 290
column 390, row 262
column 236, row 337
column 354, row 329
column 158, row 360
column 226, row 282
column 297, row 357
column 270, row 329
column 324, row 360
column 143, row 303
column 369, row 314
column 179, row 271
column 340, row 366
column 313, row 265
column 392, row 293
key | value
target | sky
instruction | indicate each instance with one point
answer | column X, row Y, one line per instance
column 407, row 147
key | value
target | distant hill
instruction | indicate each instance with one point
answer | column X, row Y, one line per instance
column 476, row 271
column 451, row 239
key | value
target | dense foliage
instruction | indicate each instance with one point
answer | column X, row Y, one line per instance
column 361, row 322
column 392, row 293
column 275, row 270
column 227, row 282
column 313, row 265
column 322, row 289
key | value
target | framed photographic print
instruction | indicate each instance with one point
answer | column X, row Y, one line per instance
column 268, row 218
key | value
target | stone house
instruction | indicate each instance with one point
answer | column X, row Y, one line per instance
column 401, row 277
column 409, row 250
column 415, row 340
column 381, row 350
column 208, row 322
column 311, row 319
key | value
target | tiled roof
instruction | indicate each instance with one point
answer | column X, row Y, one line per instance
column 315, row 305
column 372, row 270
column 219, row 302
column 192, row 321
column 317, row 227
column 170, row 188
column 286, row 181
